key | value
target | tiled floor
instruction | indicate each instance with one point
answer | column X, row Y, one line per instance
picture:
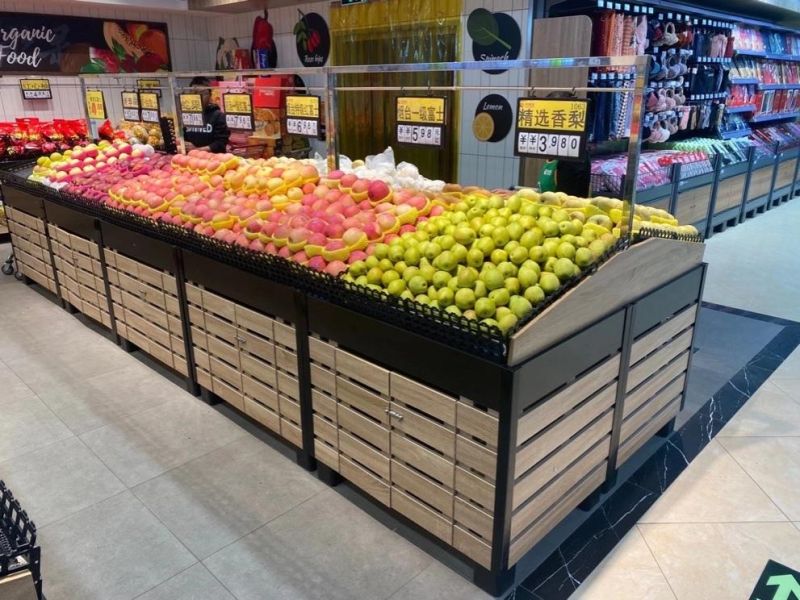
column 143, row 492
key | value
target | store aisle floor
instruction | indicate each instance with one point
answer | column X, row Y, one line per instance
column 140, row 490
column 755, row 266
column 736, row 506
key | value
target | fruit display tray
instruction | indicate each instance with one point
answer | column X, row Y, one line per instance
column 483, row 445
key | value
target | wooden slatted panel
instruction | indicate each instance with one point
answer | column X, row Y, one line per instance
column 638, row 439
column 662, row 334
column 651, row 408
column 693, row 205
column 563, row 430
column 785, row 174
column 760, row 182
column 549, row 410
column 528, row 538
column 655, row 361
column 650, row 386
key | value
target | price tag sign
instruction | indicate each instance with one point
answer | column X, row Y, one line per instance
column 149, row 107
column 96, row 105
column 191, row 110
column 548, row 128
column 421, row 120
column 302, row 115
column 130, row 106
column 35, row 89
column 238, row 110
column 149, row 84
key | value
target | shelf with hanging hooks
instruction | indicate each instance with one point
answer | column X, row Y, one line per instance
column 744, row 80
column 744, row 108
column 779, row 86
column 766, row 118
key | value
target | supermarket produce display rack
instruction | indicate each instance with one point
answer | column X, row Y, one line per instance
column 482, row 446
column 20, row 555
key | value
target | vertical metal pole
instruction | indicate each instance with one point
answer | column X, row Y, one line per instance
column 673, row 195
column 173, row 91
column 89, row 124
column 712, row 201
column 751, row 159
column 331, row 127
column 775, row 165
column 635, row 141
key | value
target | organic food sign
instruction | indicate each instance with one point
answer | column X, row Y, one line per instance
column 36, row 43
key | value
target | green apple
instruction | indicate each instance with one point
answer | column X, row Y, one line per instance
column 465, row 298
column 417, row 285
column 484, row 308
column 374, row 276
column 549, row 283
column 500, row 296
column 534, row 294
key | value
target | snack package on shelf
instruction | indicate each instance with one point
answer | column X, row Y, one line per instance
column 29, row 137
column 654, row 169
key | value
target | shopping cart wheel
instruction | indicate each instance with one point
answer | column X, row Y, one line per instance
column 8, row 267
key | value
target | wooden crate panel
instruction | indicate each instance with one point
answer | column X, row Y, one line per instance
column 364, row 428
column 326, row 454
column 364, row 454
column 785, row 173
column 194, row 294
column 730, row 193
column 263, row 414
column 362, row 399
column 219, row 306
column 563, row 430
column 289, row 408
column 325, row 430
column 288, row 385
column 367, row 481
column 259, row 370
column 478, row 423
column 421, row 458
column 324, row 405
column 475, row 488
column 423, row 429
column 650, row 408
column 225, row 372
column 554, row 492
column 323, row 379
column 422, row 488
column 638, row 439
column 476, row 457
column 322, row 352
column 649, row 387
column 362, row 371
column 286, row 359
column 220, row 328
column 224, row 390
column 292, row 433
column 760, row 183
column 663, row 334
column 693, row 205
column 285, row 335
column 250, row 320
column 423, row 398
column 655, row 361
column 562, row 402
column 533, row 481
column 423, row 516
column 223, row 351
column 473, row 518
column 556, row 514
column 256, row 346
column 472, row 546
column 256, row 390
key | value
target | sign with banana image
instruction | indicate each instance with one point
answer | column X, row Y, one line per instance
column 313, row 39
column 69, row 45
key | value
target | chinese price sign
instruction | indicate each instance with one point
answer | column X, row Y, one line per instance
column 238, row 110
column 35, row 89
column 551, row 128
column 302, row 115
column 421, row 120
column 149, row 84
column 96, row 105
column 149, row 105
column 191, row 110
column 130, row 106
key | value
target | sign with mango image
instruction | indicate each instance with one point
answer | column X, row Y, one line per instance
column 69, row 45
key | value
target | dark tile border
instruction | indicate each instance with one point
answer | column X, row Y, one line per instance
column 560, row 574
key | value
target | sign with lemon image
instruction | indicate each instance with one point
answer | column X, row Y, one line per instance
column 493, row 117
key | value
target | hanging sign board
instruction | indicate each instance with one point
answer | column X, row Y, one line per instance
column 96, row 105
column 549, row 128
column 149, row 107
column 191, row 110
column 35, row 89
column 302, row 115
column 149, row 84
column 130, row 106
column 238, row 109
column 421, row 120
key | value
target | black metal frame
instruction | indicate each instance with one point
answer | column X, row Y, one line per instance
column 508, row 390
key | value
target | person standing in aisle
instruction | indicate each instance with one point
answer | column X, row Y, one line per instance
column 213, row 136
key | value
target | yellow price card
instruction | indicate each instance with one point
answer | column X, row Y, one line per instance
column 302, row 107
column 130, row 100
column 148, row 100
column 35, row 89
column 428, row 110
column 238, row 103
column 96, row 105
column 148, row 84
column 569, row 114
column 191, row 103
